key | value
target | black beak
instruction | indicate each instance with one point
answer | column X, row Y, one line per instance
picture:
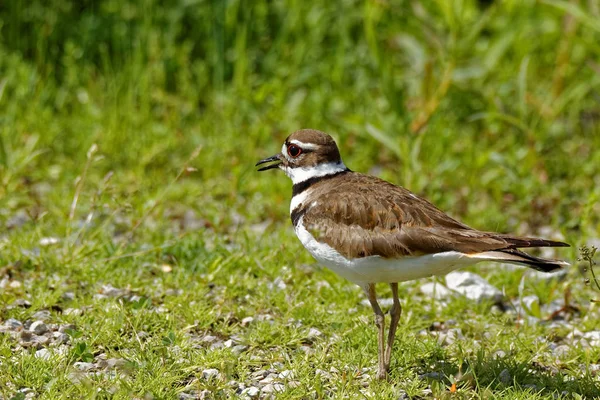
column 276, row 157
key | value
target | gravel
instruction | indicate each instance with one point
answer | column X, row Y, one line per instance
column 272, row 388
column 38, row 327
column 472, row 286
column 437, row 290
column 43, row 354
column 211, row 373
column 505, row 377
column 314, row 333
column 41, row 315
column 13, row 324
column 251, row 392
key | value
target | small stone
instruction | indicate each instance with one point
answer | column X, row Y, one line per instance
column 210, row 373
column 41, row 315
column 209, row 339
column 251, row 392
column 247, row 321
column 322, row 373
column 217, row 345
column 173, row 292
column 438, row 290
column 25, row 336
column 385, row 302
column 77, row 377
column 47, row 241
column 306, row 349
column 293, row 384
column 278, row 283
column 505, row 378
column 112, row 363
column 314, row 333
column 454, row 334
column 272, row 388
column 21, row 303
column 472, row 286
column 13, row 324
column 276, row 366
column 260, row 374
column 593, row 338
column 287, row 374
column 575, row 333
column 322, row 284
column 68, row 296
column 531, row 302
column 267, row 380
column 437, row 326
column 73, row 311
column 111, row 291
column 84, row 366
column 43, row 354
column 561, row 350
column 228, row 344
column 239, row 349
column 40, row 341
column 499, row 354
column 38, row 327
column 233, row 384
column 205, row 394
column 67, row 327
column 15, row 285
column 28, row 392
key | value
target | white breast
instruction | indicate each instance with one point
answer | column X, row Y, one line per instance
column 378, row 269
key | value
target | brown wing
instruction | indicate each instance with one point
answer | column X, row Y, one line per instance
column 366, row 216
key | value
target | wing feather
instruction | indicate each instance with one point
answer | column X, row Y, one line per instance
column 389, row 221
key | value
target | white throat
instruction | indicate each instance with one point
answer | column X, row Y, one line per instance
column 299, row 175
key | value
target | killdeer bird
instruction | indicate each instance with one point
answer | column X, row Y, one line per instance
column 369, row 230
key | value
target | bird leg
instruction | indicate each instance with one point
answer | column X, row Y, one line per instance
column 395, row 313
column 380, row 323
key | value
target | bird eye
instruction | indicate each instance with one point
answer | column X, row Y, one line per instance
column 294, row 151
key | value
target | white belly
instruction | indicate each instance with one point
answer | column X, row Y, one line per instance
column 378, row 269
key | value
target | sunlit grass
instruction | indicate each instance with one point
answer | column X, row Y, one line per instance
column 490, row 112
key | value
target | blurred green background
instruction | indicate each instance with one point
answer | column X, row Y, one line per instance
column 490, row 109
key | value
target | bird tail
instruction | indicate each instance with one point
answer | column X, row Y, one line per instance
column 514, row 256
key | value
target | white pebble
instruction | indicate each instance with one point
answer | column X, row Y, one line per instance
column 314, row 333
column 38, row 327
column 43, row 354
column 287, row 374
column 273, row 387
column 251, row 392
column 13, row 324
column 210, row 373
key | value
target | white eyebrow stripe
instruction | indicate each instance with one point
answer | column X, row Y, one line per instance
column 284, row 152
column 307, row 146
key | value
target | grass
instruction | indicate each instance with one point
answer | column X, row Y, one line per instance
column 128, row 135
